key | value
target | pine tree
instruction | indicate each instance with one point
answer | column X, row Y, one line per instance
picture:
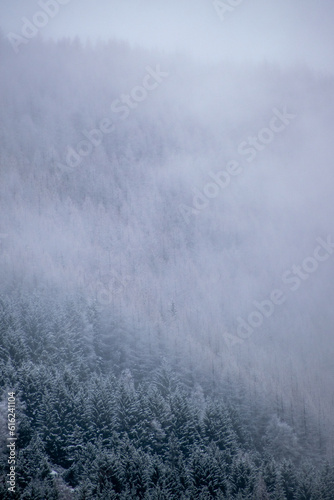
column 218, row 427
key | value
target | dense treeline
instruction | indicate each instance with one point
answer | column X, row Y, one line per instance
column 110, row 228
column 91, row 429
column 119, row 315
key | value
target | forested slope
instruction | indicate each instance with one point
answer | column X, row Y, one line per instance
column 100, row 419
column 123, row 284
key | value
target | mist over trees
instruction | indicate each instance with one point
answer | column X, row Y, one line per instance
column 133, row 264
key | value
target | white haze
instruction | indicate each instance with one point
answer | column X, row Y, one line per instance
column 112, row 226
column 287, row 32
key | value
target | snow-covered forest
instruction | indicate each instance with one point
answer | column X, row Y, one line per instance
column 167, row 269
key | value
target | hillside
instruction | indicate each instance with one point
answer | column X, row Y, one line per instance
column 167, row 269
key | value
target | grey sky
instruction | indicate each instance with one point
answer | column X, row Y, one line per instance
column 285, row 31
